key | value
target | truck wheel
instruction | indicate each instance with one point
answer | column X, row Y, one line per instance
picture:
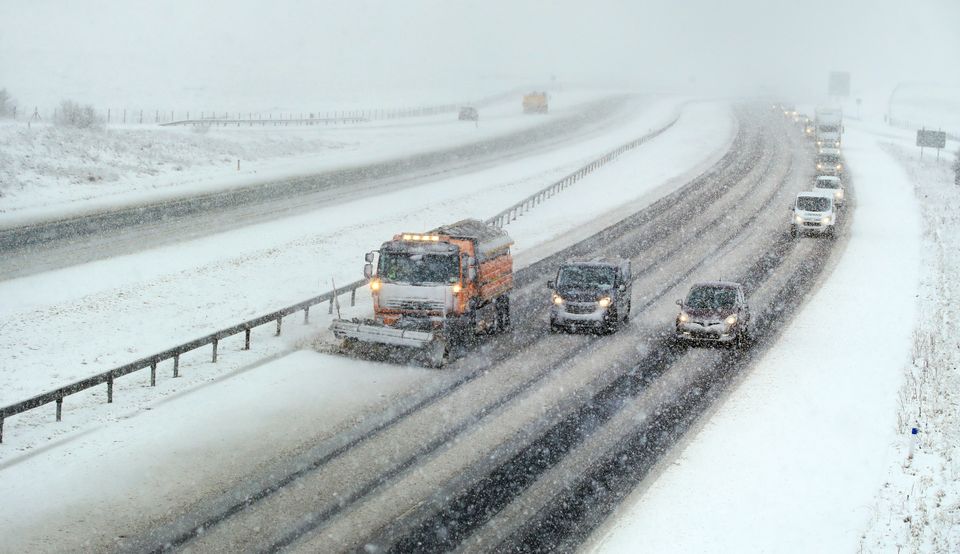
column 438, row 354
column 503, row 313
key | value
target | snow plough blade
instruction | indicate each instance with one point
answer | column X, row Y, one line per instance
column 377, row 333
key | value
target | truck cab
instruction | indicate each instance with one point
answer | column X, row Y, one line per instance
column 590, row 295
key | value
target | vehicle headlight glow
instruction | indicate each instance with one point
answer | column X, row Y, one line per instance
column 839, row 194
column 839, row 166
column 826, row 219
column 604, row 302
column 798, row 219
column 731, row 319
column 683, row 317
column 557, row 299
column 819, row 166
column 456, row 288
column 375, row 285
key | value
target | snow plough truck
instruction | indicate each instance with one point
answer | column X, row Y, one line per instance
column 435, row 290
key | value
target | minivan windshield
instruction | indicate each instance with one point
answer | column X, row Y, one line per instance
column 711, row 298
column 828, row 184
column 813, row 203
column 586, row 277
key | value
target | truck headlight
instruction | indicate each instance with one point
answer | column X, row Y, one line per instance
column 683, row 317
column 731, row 319
column 557, row 299
column 604, row 302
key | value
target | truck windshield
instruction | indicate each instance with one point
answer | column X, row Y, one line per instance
column 400, row 267
column 586, row 277
column 829, row 128
column 813, row 203
column 712, row 298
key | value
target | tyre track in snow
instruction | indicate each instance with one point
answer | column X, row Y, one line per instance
column 701, row 192
column 52, row 245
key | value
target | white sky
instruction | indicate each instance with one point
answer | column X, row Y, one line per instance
column 129, row 51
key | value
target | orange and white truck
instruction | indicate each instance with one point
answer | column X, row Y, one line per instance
column 436, row 289
column 535, row 102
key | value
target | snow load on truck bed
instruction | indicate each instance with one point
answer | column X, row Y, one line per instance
column 490, row 241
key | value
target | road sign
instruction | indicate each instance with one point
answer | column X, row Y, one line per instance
column 839, row 83
column 931, row 139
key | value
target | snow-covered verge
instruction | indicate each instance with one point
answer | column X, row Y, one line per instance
column 64, row 325
column 918, row 507
column 46, row 169
column 791, row 459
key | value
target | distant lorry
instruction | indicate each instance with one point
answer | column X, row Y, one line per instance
column 535, row 102
column 828, row 127
column 437, row 289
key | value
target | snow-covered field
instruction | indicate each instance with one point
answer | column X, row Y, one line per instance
column 811, row 452
column 48, row 170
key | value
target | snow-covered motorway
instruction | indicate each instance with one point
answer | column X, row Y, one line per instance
column 554, row 406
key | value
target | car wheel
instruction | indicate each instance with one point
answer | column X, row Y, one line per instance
column 626, row 316
column 793, row 231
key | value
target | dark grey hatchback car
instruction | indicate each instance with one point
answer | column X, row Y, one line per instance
column 714, row 311
column 591, row 295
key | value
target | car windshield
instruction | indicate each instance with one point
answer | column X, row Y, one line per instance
column 813, row 203
column 400, row 267
column 712, row 298
column 824, row 184
column 586, row 277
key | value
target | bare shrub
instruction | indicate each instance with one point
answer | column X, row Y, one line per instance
column 73, row 114
column 6, row 103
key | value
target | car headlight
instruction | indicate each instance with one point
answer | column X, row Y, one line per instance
column 731, row 319
column 557, row 299
column 839, row 166
column 819, row 166
column 375, row 285
column 826, row 219
column 683, row 317
column 604, row 302
column 456, row 288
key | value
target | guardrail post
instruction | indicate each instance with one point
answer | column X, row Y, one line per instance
column 306, row 315
column 153, row 374
column 110, row 389
column 176, row 366
column 353, row 297
column 215, row 342
column 246, row 339
column 1, row 429
column 279, row 321
column 59, row 408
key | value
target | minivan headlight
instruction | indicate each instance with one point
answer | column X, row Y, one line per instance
column 557, row 299
column 604, row 302
column 683, row 317
column 731, row 319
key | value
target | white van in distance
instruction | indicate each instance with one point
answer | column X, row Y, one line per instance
column 813, row 212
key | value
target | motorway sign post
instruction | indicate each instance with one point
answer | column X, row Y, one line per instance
column 931, row 139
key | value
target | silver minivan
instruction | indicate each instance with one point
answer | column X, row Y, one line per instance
column 813, row 212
